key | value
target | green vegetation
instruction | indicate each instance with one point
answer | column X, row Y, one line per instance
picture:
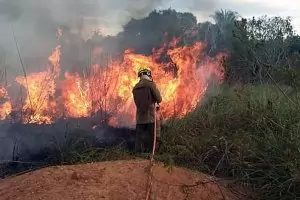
column 249, row 133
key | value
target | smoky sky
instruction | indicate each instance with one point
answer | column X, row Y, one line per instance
column 44, row 14
column 35, row 21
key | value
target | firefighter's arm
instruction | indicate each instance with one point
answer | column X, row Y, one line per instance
column 156, row 93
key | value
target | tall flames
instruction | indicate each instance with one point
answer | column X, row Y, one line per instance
column 108, row 89
column 40, row 89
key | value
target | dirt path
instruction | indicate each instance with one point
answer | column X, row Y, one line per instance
column 119, row 180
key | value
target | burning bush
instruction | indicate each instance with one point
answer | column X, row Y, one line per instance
column 108, row 88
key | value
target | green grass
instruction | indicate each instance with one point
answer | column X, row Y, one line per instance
column 249, row 133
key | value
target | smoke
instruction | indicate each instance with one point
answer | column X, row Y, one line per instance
column 73, row 12
column 35, row 23
column 25, row 141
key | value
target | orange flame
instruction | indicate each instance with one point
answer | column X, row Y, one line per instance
column 110, row 88
column 5, row 104
column 40, row 91
column 76, row 96
column 182, row 81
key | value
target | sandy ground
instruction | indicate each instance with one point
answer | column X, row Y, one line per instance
column 119, row 180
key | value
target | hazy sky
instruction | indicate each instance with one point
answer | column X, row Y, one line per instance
column 204, row 8
column 246, row 8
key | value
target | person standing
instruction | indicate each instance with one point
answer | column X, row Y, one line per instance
column 147, row 98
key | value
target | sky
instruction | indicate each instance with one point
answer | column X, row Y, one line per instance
column 202, row 9
column 247, row 8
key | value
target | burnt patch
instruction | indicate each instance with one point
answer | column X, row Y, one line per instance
column 31, row 146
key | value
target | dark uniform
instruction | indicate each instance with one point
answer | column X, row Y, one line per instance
column 145, row 95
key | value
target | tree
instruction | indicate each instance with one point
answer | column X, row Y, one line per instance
column 268, row 43
column 160, row 26
column 255, row 45
column 223, row 30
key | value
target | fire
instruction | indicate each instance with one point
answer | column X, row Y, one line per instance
column 109, row 88
column 40, row 87
column 182, row 80
column 5, row 104
column 76, row 96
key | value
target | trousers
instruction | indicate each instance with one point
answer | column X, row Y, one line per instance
column 144, row 138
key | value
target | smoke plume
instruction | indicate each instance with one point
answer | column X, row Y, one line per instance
column 35, row 22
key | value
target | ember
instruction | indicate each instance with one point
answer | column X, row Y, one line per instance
column 108, row 88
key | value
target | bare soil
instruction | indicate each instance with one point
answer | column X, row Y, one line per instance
column 118, row 180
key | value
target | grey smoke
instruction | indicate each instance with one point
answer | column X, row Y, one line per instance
column 35, row 22
column 27, row 140
column 45, row 14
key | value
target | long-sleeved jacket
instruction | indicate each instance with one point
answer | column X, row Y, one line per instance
column 145, row 94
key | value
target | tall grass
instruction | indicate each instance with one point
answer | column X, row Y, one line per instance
column 249, row 133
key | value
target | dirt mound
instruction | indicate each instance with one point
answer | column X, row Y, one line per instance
column 119, row 180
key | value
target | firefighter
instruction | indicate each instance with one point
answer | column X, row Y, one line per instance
column 146, row 98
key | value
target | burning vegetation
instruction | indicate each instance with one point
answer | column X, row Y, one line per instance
column 107, row 88
column 5, row 105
